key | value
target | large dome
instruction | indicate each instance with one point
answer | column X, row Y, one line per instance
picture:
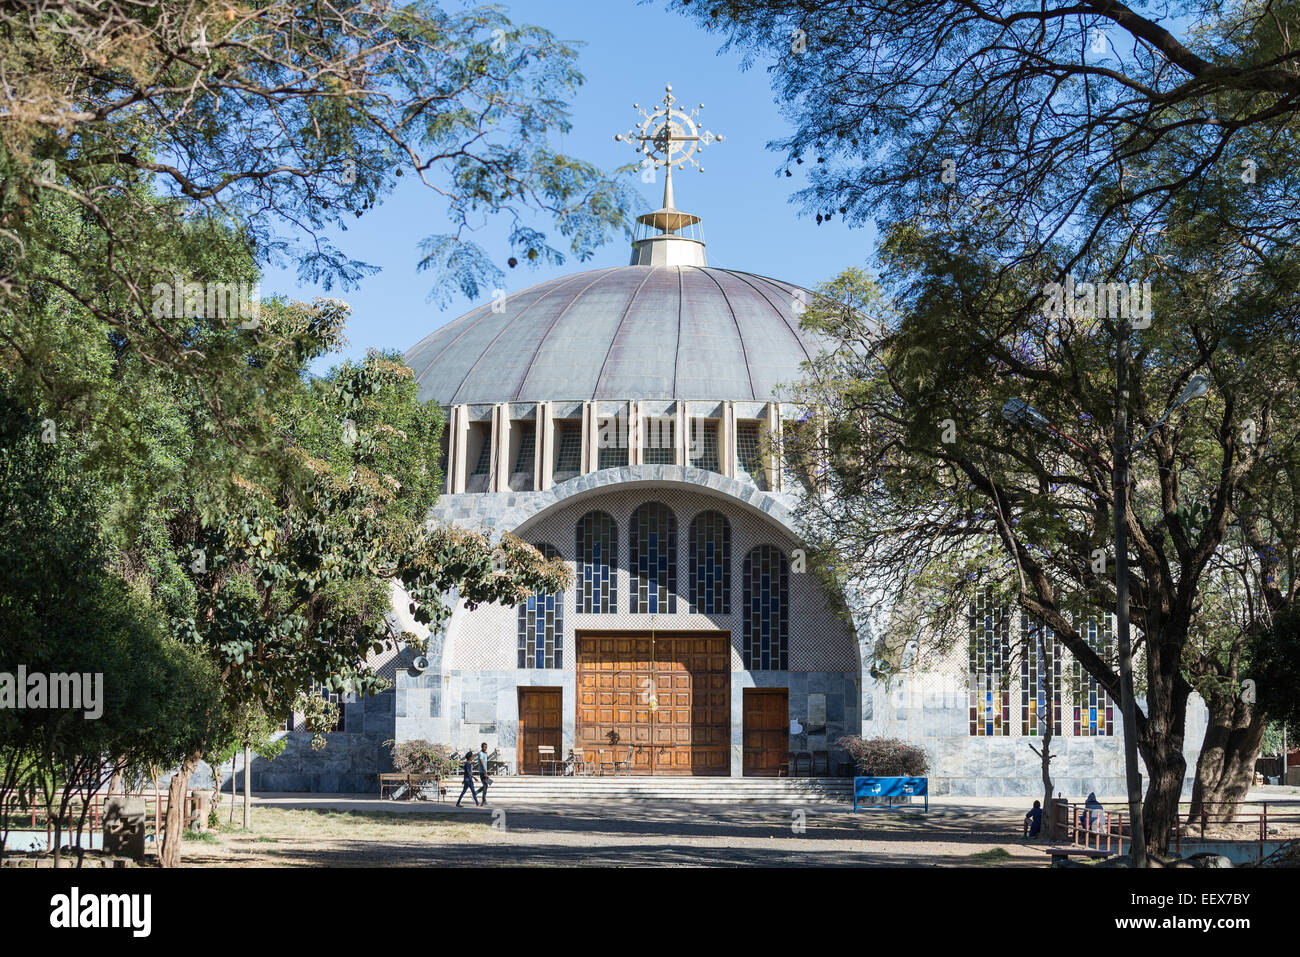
column 645, row 332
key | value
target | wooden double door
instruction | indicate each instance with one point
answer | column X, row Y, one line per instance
column 766, row 730
column 667, row 695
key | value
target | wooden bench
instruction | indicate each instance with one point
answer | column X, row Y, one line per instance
column 390, row 781
column 1058, row 854
column 419, row 781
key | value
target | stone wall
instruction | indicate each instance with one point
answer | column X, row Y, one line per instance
column 348, row 764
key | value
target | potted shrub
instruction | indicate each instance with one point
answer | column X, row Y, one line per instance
column 885, row 757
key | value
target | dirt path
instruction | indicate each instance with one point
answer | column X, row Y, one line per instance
column 351, row 833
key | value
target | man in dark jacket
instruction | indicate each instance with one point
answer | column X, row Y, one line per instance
column 1034, row 820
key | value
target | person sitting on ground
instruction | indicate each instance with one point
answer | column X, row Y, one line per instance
column 1034, row 820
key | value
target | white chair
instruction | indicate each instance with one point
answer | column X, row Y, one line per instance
column 546, row 758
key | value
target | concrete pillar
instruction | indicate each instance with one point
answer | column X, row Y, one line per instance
column 634, row 432
column 590, row 434
column 544, row 475
column 727, row 440
column 457, row 468
column 772, row 461
column 679, row 440
column 500, row 439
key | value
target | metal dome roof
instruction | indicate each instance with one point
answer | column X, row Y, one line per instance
column 627, row 332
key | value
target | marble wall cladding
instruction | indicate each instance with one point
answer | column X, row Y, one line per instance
column 348, row 763
column 932, row 710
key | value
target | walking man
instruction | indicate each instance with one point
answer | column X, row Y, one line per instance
column 467, row 782
column 483, row 778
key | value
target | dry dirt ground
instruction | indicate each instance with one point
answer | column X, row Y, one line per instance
column 344, row 832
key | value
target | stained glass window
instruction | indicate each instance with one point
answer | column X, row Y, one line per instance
column 484, row 461
column 749, row 454
column 652, row 548
column 659, row 446
column 710, row 558
column 612, row 438
column 521, row 476
column 597, row 541
column 990, row 653
column 703, row 447
column 541, row 625
column 568, row 449
column 1040, row 678
column 766, row 582
column 1093, row 711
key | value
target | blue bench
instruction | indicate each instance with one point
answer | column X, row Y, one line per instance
column 890, row 788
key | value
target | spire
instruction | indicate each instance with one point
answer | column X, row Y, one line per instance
column 668, row 137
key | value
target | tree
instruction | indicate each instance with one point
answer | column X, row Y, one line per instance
column 1276, row 668
column 153, row 130
column 292, row 584
column 932, row 497
column 1049, row 114
column 142, row 698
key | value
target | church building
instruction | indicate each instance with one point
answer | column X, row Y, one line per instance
column 624, row 420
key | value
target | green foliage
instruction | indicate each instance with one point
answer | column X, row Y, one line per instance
column 424, row 757
column 1274, row 738
column 292, row 586
column 64, row 612
column 208, row 142
column 1276, row 670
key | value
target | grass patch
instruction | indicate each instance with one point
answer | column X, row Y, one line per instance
column 283, row 824
column 993, row 855
column 205, row 837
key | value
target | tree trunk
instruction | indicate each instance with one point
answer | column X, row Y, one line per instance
column 1225, row 769
column 1049, row 720
column 57, row 846
column 1160, row 740
column 248, row 789
column 1043, row 834
column 169, row 855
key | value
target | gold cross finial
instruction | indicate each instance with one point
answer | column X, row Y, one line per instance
column 668, row 136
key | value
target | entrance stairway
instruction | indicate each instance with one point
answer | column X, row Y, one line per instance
column 527, row 789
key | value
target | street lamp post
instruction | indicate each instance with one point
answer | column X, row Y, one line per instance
column 1020, row 412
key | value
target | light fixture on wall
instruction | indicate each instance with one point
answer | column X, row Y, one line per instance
column 653, row 700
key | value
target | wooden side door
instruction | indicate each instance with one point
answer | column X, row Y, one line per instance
column 766, row 734
column 540, row 711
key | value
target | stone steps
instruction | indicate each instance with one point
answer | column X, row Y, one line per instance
column 712, row 790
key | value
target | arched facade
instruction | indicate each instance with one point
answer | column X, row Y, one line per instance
column 636, row 515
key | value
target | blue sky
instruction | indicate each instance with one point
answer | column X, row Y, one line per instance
column 631, row 50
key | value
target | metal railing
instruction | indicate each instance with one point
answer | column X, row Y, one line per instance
column 1096, row 828
column 36, row 815
column 1253, row 816
column 1105, row 828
